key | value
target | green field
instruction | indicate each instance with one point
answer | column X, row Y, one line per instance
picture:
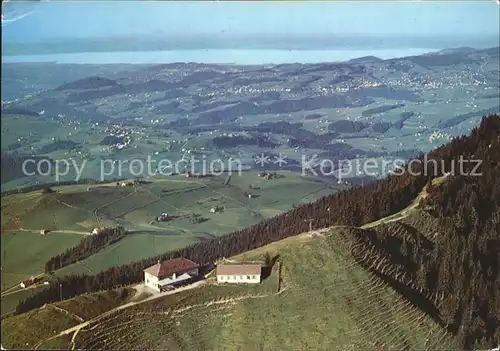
column 30, row 328
column 182, row 197
column 25, row 253
column 10, row 298
column 317, row 297
column 15, row 127
column 73, row 211
column 325, row 301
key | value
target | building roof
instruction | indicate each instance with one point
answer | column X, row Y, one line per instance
column 238, row 269
column 169, row 267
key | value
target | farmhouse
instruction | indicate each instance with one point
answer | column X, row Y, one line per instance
column 170, row 273
column 235, row 273
column 217, row 209
column 163, row 217
column 250, row 196
column 31, row 281
column 269, row 175
column 98, row 230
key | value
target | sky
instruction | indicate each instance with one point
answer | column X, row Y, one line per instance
column 42, row 21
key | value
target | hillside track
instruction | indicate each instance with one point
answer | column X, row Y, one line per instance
column 77, row 328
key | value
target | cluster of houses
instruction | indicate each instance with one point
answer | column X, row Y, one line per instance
column 31, row 281
column 123, row 136
column 250, row 196
column 217, row 209
column 163, row 217
column 190, row 174
column 96, row 231
column 269, row 175
column 178, row 271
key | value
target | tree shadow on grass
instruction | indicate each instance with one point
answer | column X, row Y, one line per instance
column 268, row 266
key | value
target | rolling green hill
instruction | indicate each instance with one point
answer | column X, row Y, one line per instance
column 317, row 297
column 319, row 307
column 73, row 211
column 408, row 262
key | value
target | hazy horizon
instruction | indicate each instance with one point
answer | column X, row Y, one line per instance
column 55, row 28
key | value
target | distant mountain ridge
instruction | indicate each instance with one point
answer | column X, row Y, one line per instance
column 226, row 41
column 365, row 59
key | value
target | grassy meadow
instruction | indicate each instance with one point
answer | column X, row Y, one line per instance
column 325, row 301
column 74, row 211
column 30, row 329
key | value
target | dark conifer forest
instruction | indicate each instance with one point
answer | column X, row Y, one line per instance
column 89, row 245
column 461, row 268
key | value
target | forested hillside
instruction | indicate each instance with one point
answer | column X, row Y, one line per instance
column 89, row 245
column 463, row 267
column 467, row 265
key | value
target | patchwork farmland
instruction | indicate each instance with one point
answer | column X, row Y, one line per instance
column 70, row 212
column 302, row 304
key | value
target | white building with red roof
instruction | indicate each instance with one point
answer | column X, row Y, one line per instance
column 170, row 273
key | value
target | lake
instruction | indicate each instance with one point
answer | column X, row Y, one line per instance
column 221, row 56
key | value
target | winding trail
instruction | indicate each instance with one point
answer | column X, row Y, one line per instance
column 405, row 212
column 62, row 310
column 96, row 210
column 62, row 231
column 68, row 205
column 7, row 293
column 75, row 329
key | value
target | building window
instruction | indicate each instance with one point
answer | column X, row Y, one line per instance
column 248, row 277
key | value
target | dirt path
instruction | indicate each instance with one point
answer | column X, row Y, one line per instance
column 392, row 218
column 63, row 231
column 62, row 310
column 224, row 301
column 136, row 208
column 96, row 210
column 215, row 191
column 203, row 185
column 177, row 311
column 163, row 201
column 68, row 205
column 75, row 329
column 404, row 213
column 7, row 293
column 8, row 290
